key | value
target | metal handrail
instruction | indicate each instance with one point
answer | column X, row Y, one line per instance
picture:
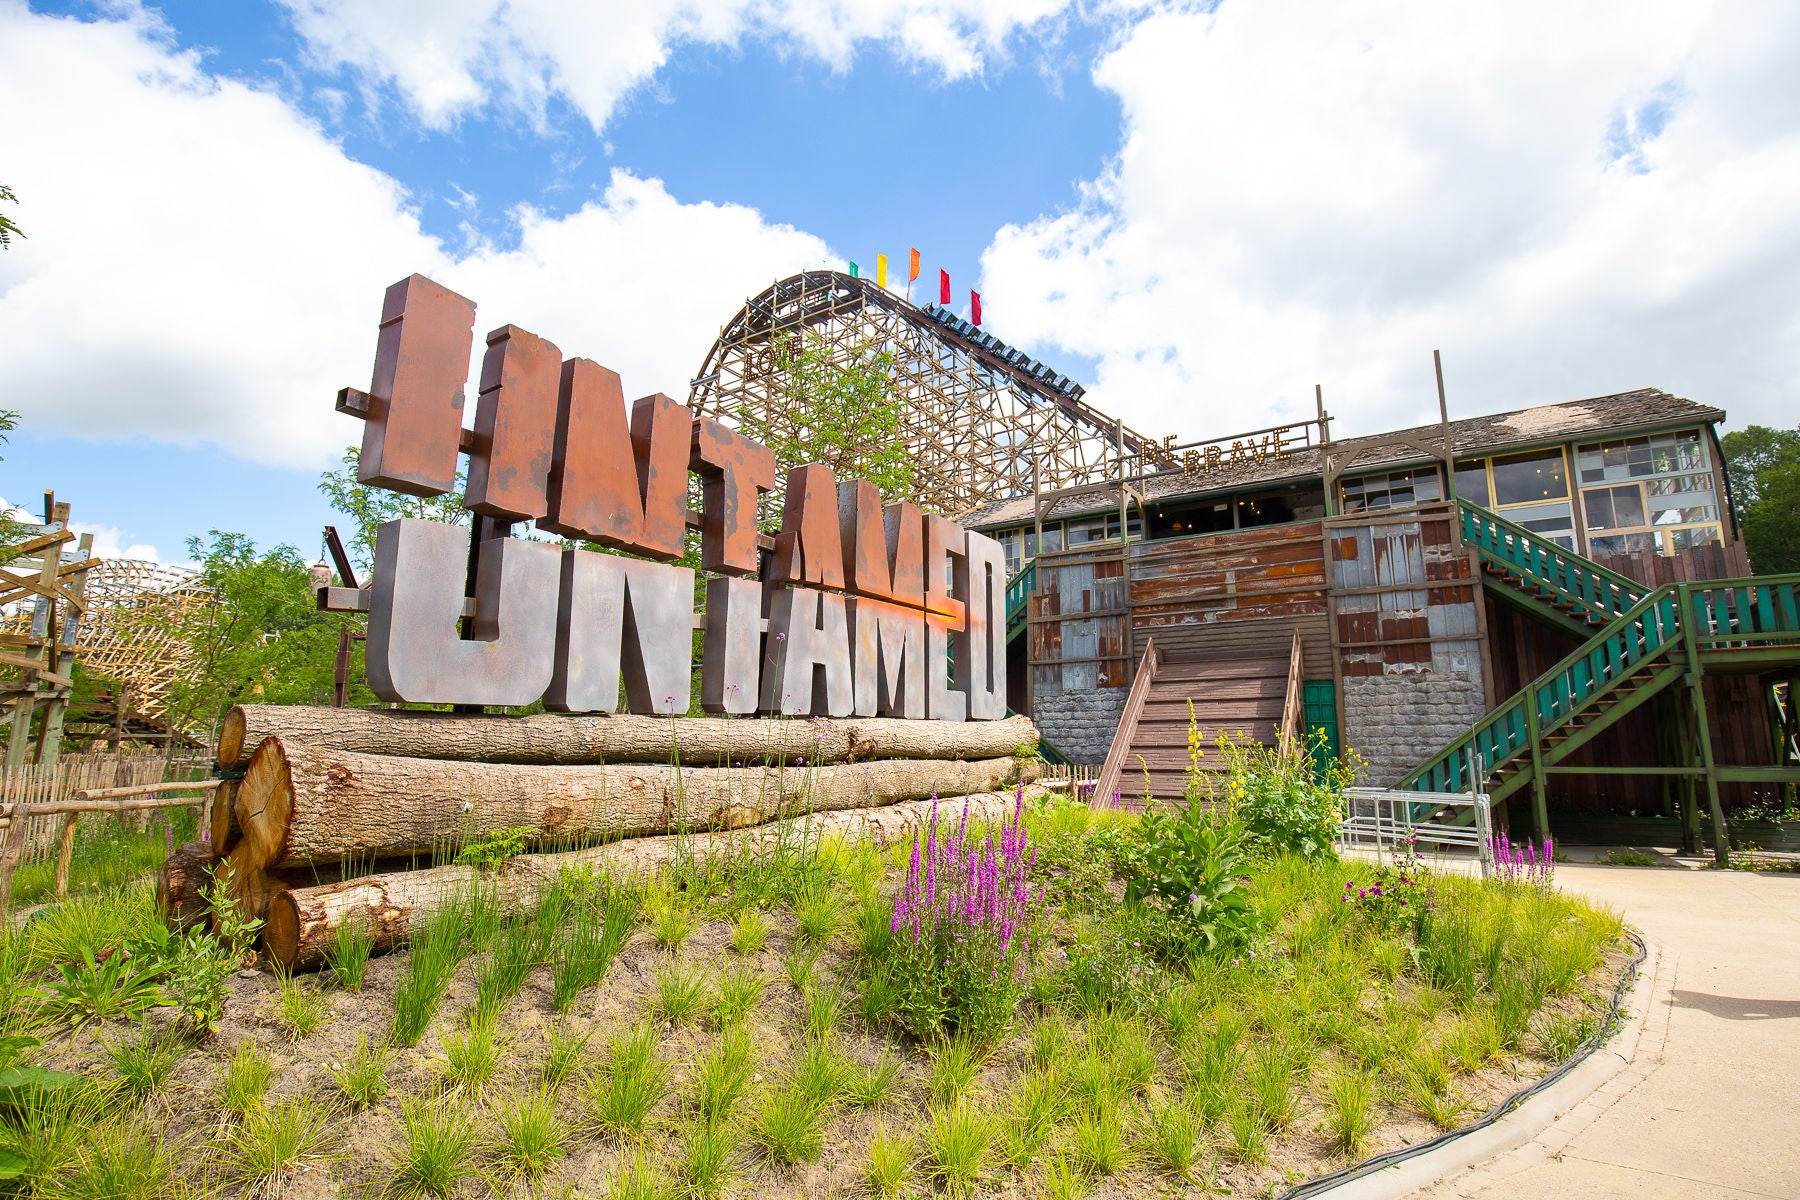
column 1389, row 817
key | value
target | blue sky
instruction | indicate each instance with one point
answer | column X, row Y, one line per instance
column 1199, row 210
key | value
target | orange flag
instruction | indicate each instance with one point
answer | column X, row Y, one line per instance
column 912, row 272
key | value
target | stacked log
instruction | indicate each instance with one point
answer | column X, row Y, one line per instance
column 325, row 795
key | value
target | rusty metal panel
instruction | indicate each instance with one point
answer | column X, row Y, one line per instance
column 942, row 702
column 887, row 655
column 635, row 501
column 590, row 432
column 515, row 425
column 810, row 547
column 732, row 646
column 867, row 570
column 903, row 526
column 734, row 471
column 415, row 653
column 622, row 619
column 980, row 650
column 944, row 541
column 806, row 660
column 413, row 427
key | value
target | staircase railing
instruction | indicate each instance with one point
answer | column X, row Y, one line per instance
column 1597, row 594
column 1018, row 595
column 1292, row 731
column 1724, row 616
column 1645, row 631
column 1108, row 781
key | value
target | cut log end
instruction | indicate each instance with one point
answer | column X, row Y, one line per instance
column 231, row 739
column 224, row 827
column 281, row 931
column 264, row 803
column 181, row 886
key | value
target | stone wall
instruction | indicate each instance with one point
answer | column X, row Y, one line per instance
column 1080, row 723
column 1397, row 721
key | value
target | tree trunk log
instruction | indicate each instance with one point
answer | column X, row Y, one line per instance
column 302, row 920
column 548, row 738
column 181, row 886
column 300, row 804
column 223, row 826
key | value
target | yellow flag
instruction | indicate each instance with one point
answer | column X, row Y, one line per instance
column 881, row 270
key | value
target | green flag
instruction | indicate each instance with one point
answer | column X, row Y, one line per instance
column 853, row 272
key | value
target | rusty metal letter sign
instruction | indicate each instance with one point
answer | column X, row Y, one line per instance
column 856, row 607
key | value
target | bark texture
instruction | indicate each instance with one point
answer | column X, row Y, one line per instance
column 549, row 738
column 301, row 804
column 181, row 886
column 302, row 920
column 223, row 819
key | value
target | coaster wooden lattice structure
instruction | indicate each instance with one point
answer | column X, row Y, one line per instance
column 981, row 421
column 37, row 647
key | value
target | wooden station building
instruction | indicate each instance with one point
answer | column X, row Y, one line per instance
column 1425, row 596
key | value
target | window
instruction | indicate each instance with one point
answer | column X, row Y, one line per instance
column 1654, row 492
column 1619, row 507
column 1530, row 478
column 1396, row 489
column 1472, row 483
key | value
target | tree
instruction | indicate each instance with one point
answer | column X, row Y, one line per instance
column 1772, row 523
column 264, row 641
column 12, row 530
column 846, row 416
column 1751, row 451
column 368, row 507
column 8, row 230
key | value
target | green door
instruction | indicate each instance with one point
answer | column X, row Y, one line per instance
column 1320, row 703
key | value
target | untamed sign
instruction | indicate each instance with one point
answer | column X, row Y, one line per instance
column 855, row 607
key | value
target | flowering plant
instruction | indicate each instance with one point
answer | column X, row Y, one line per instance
column 965, row 926
column 1397, row 897
column 1183, row 879
column 1523, row 863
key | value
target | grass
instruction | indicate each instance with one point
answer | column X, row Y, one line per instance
column 434, row 955
column 817, row 916
column 800, row 966
column 1097, row 1140
column 1039, row 1102
column 749, row 931
column 889, row 1165
column 874, row 1085
column 824, row 1007
column 531, row 1136
column 622, row 1097
column 640, row 1177
column 709, row 1159
column 738, row 990
column 348, row 953
column 1172, row 1139
column 437, row 1150
column 681, row 993
column 144, row 1064
column 593, row 937
column 302, row 1008
column 671, row 925
column 1350, row 1114
column 472, row 1058
column 362, row 1078
column 960, row 1147
column 821, row 1075
column 954, row 1065
column 270, row 1143
column 565, row 1051
column 119, row 1160
column 721, row 1075
column 244, row 1081
column 787, row 1127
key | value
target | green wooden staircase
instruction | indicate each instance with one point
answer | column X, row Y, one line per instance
column 1557, row 586
column 1671, row 634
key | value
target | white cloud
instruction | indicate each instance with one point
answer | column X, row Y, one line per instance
column 204, row 265
column 109, row 541
column 1568, row 200
column 451, row 57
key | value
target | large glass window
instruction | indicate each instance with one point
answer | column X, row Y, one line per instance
column 1395, row 489
column 1472, row 483
column 1530, row 478
column 1652, row 492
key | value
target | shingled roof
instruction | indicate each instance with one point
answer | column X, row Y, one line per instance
column 1611, row 416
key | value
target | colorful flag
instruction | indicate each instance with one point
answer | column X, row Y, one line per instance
column 975, row 307
column 853, row 271
column 912, row 272
column 943, row 287
column 881, row 270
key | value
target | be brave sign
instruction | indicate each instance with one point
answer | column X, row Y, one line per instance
column 855, row 607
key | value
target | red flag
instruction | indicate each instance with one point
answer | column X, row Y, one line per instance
column 943, row 287
column 975, row 307
column 912, row 272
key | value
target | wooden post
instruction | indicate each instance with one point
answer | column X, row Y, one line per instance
column 1702, row 728
column 1540, row 810
column 340, row 675
column 65, row 853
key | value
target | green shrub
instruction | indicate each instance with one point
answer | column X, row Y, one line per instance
column 1286, row 805
column 1182, row 880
